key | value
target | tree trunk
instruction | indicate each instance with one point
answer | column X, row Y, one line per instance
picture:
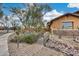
column 7, row 30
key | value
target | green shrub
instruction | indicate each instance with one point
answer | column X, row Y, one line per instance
column 31, row 38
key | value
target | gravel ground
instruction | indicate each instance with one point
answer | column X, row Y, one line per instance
column 2, row 33
column 31, row 50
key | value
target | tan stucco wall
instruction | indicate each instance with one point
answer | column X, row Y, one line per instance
column 57, row 24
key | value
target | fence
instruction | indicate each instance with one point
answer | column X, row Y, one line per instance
column 66, row 32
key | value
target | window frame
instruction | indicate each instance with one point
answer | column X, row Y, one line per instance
column 64, row 27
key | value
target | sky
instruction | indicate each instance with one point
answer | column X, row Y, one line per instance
column 59, row 7
column 8, row 5
column 62, row 7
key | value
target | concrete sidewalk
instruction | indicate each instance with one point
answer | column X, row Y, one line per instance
column 4, row 45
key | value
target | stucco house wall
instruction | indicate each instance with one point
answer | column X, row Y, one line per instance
column 58, row 23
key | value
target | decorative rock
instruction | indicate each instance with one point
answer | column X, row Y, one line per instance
column 64, row 48
column 76, row 39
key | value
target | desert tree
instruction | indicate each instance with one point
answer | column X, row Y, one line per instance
column 19, row 13
column 32, row 16
column 1, row 12
column 35, row 13
column 6, row 23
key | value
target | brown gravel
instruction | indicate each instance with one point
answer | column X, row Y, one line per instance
column 31, row 50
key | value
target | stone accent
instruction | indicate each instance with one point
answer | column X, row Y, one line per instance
column 62, row 47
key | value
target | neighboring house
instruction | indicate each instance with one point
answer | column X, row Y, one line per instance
column 66, row 21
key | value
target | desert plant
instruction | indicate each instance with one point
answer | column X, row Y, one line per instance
column 28, row 38
column 31, row 38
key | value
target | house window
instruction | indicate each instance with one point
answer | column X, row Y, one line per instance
column 67, row 25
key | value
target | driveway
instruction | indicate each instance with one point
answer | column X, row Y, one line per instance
column 4, row 44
